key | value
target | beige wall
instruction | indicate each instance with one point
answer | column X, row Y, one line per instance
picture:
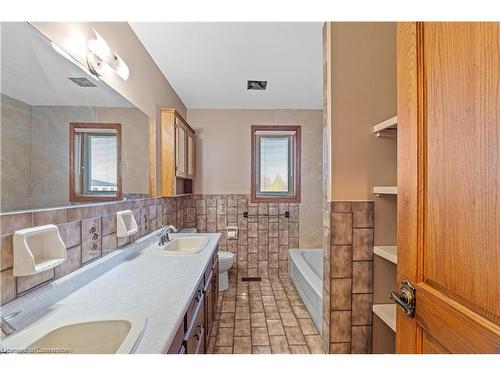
column 363, row 74
column 363, row 94
column 146, row 88
column 223, row 157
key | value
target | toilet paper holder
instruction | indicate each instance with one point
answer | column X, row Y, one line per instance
column 232, row 232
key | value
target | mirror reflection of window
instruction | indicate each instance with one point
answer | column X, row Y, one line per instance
column 96, row 173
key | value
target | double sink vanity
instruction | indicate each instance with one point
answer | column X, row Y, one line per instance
column 144, row 298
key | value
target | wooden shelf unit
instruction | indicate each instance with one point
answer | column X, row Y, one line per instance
column 177, row 144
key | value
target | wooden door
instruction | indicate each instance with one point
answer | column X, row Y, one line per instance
column 449, row 186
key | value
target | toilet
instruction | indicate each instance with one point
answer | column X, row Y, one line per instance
column 226, row 260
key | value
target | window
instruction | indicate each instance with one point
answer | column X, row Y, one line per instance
column 275, row 164
column 95, row 167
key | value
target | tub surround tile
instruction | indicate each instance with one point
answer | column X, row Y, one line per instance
column 361, row 340
column 341, row 294
column 341, row 228
column 362, row 244
column 340, row 328
column 340, row 348
column 362, row 309
column 262, row 232
column 347, row 276
column 341, row 261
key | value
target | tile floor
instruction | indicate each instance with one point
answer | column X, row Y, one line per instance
column 266, row 317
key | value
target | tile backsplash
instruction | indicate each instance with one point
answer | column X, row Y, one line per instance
column 89, row 232
column 264, row 237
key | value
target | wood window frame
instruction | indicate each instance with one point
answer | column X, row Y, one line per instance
column 73, row 197
column 295, row 198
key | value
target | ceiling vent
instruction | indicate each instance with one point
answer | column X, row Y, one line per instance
column 82, row 82
column 256, row 85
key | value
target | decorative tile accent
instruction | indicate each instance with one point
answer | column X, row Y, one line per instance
column 91, row 239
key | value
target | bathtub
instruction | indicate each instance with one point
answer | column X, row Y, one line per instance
column 305, row 268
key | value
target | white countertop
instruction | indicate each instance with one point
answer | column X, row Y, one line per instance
column 147, row 284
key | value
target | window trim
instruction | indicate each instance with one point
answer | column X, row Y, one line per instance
column 73, row 196
column 295, row 198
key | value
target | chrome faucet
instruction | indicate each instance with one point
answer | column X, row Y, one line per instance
column 7, row 328
column 165, row 234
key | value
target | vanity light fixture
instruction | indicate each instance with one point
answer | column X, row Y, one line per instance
column 102, row 59
column 70, row 58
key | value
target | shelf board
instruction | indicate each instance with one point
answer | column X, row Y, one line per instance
column 386, row 312
column 387, row 252
column 390, row 124
column 392, row 190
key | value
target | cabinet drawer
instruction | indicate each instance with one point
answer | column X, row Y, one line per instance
column 195, row 337
column 195, row 302
column 177, row 343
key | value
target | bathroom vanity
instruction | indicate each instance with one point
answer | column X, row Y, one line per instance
column 153, row 299
column 192, row 334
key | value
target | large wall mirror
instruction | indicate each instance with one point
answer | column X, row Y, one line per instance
column 66, row 137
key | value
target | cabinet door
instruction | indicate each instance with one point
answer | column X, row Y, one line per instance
column 195, row 341
column 190, row 153
column 209, row 307
column 180, row 150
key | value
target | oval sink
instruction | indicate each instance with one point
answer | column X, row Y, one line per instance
column 86, row 337
column 186, row 245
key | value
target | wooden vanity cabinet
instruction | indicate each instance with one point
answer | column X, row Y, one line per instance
column 193, row 334
column 177, row 148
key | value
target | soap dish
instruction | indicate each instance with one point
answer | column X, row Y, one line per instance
column 125, row 224
column 37, row 249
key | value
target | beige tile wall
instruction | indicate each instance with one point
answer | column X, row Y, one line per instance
column 347, row 277
column 264, row 237
column 89, row 232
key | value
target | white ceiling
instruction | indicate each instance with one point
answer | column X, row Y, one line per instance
column 34, row 73
column 208, row 64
